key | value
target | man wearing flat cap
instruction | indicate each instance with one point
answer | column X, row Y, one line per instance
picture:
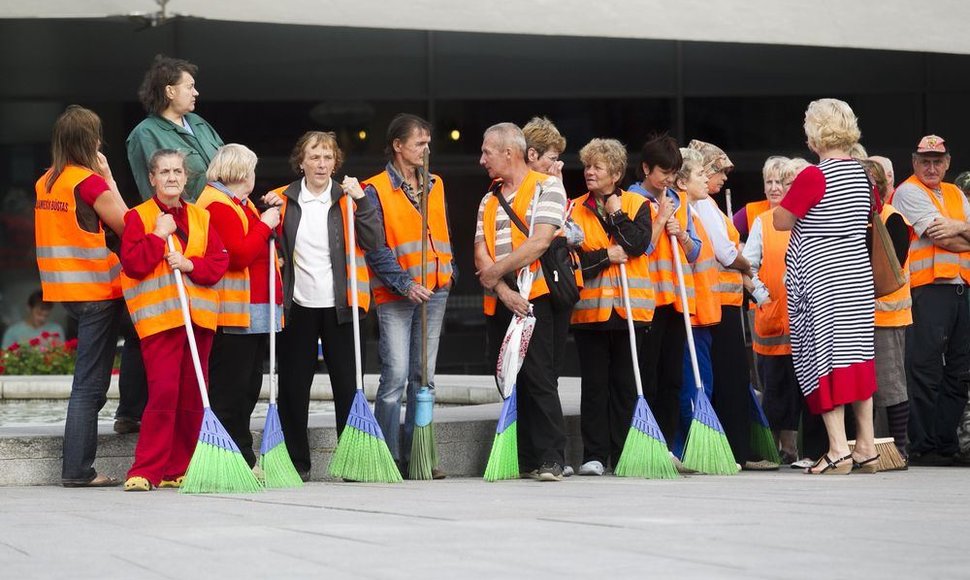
column 938, row 342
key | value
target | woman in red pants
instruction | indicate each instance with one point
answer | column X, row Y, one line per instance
column 173, row 415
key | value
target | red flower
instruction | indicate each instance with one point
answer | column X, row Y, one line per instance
column 34, row 341
column 55, row 334
column 13, row 347
column 45, row 334
column 71, row 345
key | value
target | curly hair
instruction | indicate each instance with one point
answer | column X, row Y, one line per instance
column 327, row 139
column 831, row 124
column 542, row 135
column 610, row 151
column 164, row 71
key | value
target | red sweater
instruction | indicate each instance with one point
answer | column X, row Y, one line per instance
column 246, row 250
column 141, row 251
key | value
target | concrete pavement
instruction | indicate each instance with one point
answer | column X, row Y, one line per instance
column 753, row 525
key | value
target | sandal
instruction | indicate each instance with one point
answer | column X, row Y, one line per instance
column 171, row 483
column 841, row 466
column 96, row 481
column 870, row 465
column 137, row 483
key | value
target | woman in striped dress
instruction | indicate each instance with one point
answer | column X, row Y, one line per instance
column 829, row 283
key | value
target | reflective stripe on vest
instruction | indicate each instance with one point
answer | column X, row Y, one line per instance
column 896, row 308
column 603, row 294
column 75, row 265
column 661, row 264
column 234, row 287
column 153, row 301
column 402, row 231
column 363, row 275
column 929, row 262
column 770, row 334
column 730, row 285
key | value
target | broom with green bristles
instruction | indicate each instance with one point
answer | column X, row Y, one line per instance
column 707, row 449
column 762, row 439
column 217, row 465
column 424, row 451
column 362, row 453
column 645, row 452
column 274, row 459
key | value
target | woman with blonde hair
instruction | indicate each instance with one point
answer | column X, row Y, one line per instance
column 239, row 346
column 829, row 284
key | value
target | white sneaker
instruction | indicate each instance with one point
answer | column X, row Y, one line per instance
column 592, row 468
column 568, row 471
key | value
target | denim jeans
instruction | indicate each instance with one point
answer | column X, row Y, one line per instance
column 132, row 383
column 97, row 334
column 400, row 352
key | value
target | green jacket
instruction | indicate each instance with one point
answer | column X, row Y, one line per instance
column 156, row 133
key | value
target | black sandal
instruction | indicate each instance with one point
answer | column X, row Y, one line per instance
column 870, row 465
column 832, row 467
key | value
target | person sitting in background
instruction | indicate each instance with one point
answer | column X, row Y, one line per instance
column 35, row 324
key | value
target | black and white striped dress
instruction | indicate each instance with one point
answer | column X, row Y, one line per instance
column 829, row 282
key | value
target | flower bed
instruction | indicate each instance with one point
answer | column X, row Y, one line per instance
column 47, row 354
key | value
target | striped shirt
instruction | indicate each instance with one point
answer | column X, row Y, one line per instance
column 550, row 210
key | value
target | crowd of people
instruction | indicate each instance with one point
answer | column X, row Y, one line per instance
column 799, row 260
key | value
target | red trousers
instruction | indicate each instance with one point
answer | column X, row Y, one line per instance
column 173, row 415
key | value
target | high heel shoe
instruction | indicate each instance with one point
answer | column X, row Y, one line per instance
column 870, row 465
column 841, row 466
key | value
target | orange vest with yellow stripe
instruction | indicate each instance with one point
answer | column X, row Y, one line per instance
column 661, row 262
column 363, row 276
column 754, row 209
column 929, row 262
column 603, row 294
column 233, row 288
column 730, row 283
column 705, row 274
column 75, row 265
column 896, row 309
column 772, row 334
column 402, row 230
column 153, row 301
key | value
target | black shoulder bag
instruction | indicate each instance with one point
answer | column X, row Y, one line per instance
column 559, row 263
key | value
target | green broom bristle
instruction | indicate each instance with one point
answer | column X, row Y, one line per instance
column 214, row 469
column 763, row 443
column 360, row 456
column 278, row 469
column 644, row 456
column 503, row 461
column 708, row 451
column 424, row 453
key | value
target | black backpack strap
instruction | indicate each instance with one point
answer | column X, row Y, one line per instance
column 497, row 192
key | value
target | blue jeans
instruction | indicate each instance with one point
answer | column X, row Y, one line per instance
column 688, row 390
column 400, row 352
column 97, row 334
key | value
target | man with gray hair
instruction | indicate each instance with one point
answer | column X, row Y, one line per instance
column 501, row 249
column 938, row 342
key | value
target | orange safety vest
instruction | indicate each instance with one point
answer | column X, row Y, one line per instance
column 363, row 277
column 730, row 283
column 402, row 230
column 754, row 209
column 75, row 265
column 772, row 334
column 233, row 288
column 929, row 262
column 662, row 272
column 153, row 301
column 705, row 274
column 896, row 309
column 601, row 295
column 520, row 205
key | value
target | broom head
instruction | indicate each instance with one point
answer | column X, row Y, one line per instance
column 763, row 442
column 362, row 453
column 274, row 459
column 217, row 466
column 424, row 451
column 707, row 449
column 889, row 457
column 645, row 451
column 503, row 461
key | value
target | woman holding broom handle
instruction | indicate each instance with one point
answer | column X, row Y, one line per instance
column 236, row 362
column 173, row 414
column 616, row 225
column 316, row 290
column 829, row 285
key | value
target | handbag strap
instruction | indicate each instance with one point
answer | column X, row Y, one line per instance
column 497, row 192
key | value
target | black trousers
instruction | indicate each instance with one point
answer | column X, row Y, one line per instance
column 783, row 401
column 235, row 378
column 662, row 368
column 609, row 392
column 541, row 428
column 732, row 399
column 937, row 366
column 132, row 382
column 297, row 362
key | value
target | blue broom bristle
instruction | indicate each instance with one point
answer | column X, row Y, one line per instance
column 509, row 413
column 272, row 430
column 704, row 412
column 757, row 411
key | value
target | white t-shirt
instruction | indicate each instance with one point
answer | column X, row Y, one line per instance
column 313, row 280
column 724, row 249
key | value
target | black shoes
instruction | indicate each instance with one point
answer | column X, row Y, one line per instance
column 124, row 425
column 550, row 472
column 930, row 459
